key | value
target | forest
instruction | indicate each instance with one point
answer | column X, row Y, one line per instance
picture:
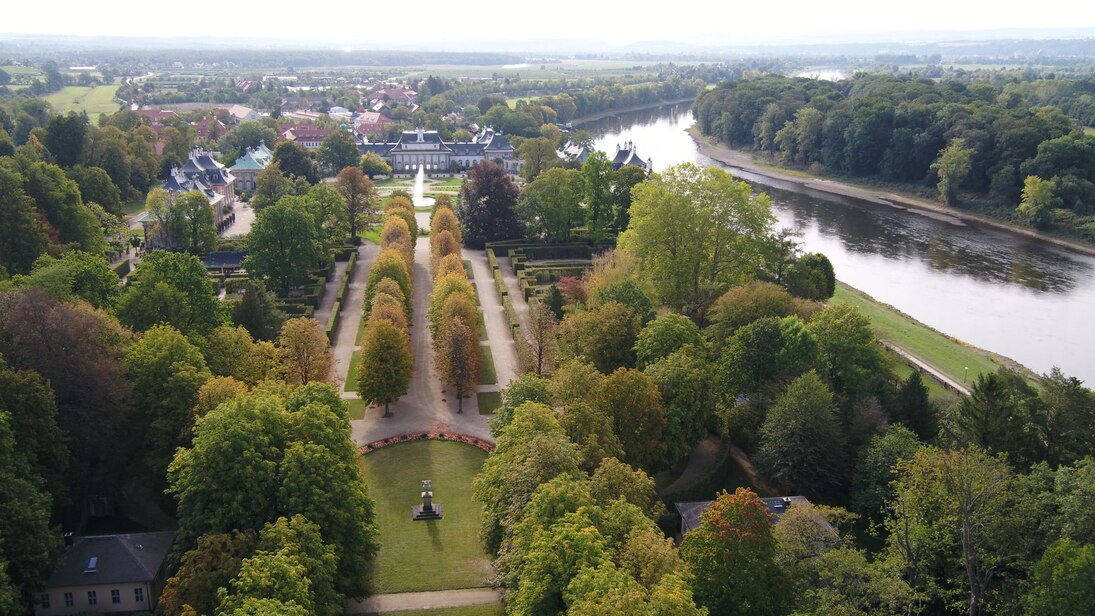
column 974, row 144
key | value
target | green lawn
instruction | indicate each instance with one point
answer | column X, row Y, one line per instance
column 482, row 327
column 13, row 69
column 448, row 182
column 946, row 354
column 356, row 408
column 487, row 375
column 429, row 555
column 371, row 235
column 903, row 369
column 1089, row 130
column 134, row 207
column 95, row 100
column 351, row 374
column 489, row 401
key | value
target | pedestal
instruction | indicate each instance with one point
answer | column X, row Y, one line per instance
column 419, row 512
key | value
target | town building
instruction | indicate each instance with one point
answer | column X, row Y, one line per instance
column 627, row 155
column 307, row 135
column 202, row 173
column 395, row 93
column 575, row 151
column 371, row 123
column 690, row 511
column 247, row 167
column 239, row 113
column 209, row 128
column 426, row 148
column 107, row 574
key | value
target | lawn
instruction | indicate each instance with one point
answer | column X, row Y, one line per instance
column 1089, row 130
column 487, row 375
column 351, row 374
column 489, row 401
column 428, row 555
column 902, row 369
column 95, row 100
column 134, row 207
column 356, row 407
column 946, row 354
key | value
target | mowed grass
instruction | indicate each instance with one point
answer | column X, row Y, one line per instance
column 943, row 353
column 356, row 408
column 351, row 374
column 487, row 375
column 489, row 401
column 427, row 555
column 95, row 100
column 1089, row 130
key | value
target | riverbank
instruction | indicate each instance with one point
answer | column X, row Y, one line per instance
column 926, row 348
column 611, row 112
column 748, row 162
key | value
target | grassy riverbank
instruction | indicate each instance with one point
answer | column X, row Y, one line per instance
column 958, row 360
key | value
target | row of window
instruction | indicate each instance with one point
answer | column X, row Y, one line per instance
column 93, row 597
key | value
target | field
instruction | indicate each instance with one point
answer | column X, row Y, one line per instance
column 950, row 356
column 95, row 100
column 1089, row 130
column 428, row 555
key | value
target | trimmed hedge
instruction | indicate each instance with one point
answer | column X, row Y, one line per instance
column 333, row 321
column 122, row 269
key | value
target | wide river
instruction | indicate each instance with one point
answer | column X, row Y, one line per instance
column 1026, row 299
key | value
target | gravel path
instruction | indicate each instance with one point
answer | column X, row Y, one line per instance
column 494, row 320
column 343, row 348
column 397, row 602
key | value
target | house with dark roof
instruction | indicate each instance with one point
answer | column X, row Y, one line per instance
column 627, row 155
column 107, row 574
column 202, row 173
column 425, row 148
column 575, row 151
column 690, row 511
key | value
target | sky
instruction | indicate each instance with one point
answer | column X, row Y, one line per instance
column 381, row 24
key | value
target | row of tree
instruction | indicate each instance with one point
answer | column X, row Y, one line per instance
column 453, row 311
column 386, row 363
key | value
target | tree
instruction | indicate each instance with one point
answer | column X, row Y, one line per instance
column 244, row 136
column 1038, row 202
column 625, row 291
column 485, row 206
column 687, row 386
column 338, row 151
column 624, row 180
column 270, row 186
column 360, row 197
column 1002, row 414
column 593, row 432
column 763, row 352
column 22, row 231
column 802, row 444
column 174, row 289
column 744, row 304
column 550, row 204
column 597, row 193
column 64, row 138
column 373, row 165
column 663, row 336
column 32, row 414
column 460, row 367
column 842, row 581
column 202, row 570
column 952, row 167
column 294, row 160
column 874, row 472
column 386, row 364
column 257, row 312
column 539, row 156
column 305, row 349
column 848, row 352
column 283, row 245
column 97, row 187
column 1061, row 579
column 732, row 555
column 604, row 336
column 58, row 198
column 697, row 232
column 542, row 338
column 811, row 277
column 166, row 371
column 632, row 399
column 1070, row 413
column 190, row 223
column 272, row 576
column 76, row 275
column 914, row 408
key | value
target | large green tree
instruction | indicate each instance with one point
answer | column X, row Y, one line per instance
column 174, row 289
column 294, row 160
column 338, row 151
column 282, row 245
column 696, row 232
column 549, row 204
column 386, row 364
column 486, row 205
column 633, row 401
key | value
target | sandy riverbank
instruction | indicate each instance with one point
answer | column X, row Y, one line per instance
column 747, row 162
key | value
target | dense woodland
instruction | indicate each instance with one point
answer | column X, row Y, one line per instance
column 975, row 143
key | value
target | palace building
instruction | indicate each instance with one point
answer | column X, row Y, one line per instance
column 426, row 148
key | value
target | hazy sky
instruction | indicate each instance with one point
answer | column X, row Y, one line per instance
column 422, row 21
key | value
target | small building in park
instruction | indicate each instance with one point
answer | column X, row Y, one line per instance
column 247, row 166
column 107, row 574
column 628, row 155
column 690, row 512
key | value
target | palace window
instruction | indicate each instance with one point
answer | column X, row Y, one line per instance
column 92, row 599
column 138, row 595
column 69, row 601
column 115, row 596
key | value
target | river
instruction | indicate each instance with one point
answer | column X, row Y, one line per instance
column 1017, row 296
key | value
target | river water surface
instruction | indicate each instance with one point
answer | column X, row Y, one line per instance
column 1020, row 297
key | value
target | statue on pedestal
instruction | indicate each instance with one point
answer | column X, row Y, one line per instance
column 427, row 510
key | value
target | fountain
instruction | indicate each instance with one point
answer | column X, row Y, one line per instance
column 419, row 183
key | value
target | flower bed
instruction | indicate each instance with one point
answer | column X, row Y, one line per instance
column 474, row 441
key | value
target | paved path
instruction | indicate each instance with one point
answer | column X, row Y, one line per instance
column 925, row 367
column 423, row 600
column 330, row 291
column 241, row 225
column 343, row 348
column 700, row 462
column 494, row 320
column 425, row 406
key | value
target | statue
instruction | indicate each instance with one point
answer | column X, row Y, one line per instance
column 427, row 510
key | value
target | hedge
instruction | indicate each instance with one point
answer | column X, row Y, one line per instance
column 333, row 320
column 122, row 269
